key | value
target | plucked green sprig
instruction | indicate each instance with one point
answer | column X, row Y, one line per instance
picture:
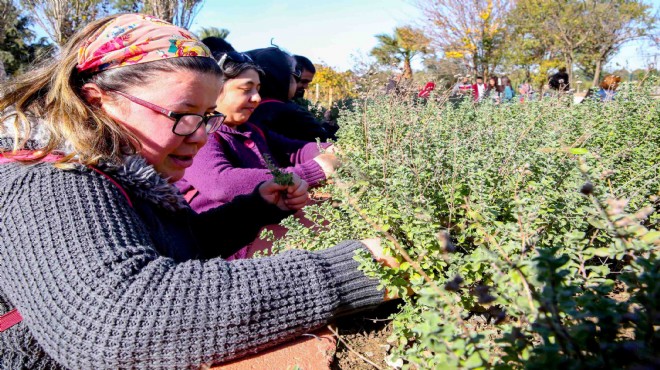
column 280, row 177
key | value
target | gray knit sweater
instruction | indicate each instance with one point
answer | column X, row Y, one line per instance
column 103, row 285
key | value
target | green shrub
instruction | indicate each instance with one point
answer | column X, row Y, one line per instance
column 527, row 231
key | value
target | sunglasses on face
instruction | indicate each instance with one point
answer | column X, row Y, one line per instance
column 185, row 124
column 235, row 57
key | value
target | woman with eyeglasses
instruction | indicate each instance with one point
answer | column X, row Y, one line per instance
column 277, row 112
column 102, row 263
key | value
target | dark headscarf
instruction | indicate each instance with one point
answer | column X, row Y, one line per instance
column 277, row 66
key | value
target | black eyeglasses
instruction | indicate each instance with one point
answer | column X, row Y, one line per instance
column 235, row 57
column 185, row 124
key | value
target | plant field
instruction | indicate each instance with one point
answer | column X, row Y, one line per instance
column 539, row 218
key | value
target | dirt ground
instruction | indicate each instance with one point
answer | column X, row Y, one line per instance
column 366, row 335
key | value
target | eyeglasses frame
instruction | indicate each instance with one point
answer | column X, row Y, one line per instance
column 176, row 117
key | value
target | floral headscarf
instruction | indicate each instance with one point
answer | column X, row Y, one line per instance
column 137, row 38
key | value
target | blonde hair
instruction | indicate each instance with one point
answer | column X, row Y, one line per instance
column 52, row 95
column 610, row 82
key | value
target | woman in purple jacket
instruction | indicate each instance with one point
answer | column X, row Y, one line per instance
column 234, row 161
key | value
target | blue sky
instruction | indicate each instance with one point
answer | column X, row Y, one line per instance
column 334, row 31
column 330, row 31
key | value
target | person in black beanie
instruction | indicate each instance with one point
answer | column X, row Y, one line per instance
column 278, row 86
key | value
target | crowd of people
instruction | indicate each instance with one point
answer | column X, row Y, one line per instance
column 500, row 90
column 497, row 89
column 135, row 168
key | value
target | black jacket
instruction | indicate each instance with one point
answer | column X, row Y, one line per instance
column 277, row 112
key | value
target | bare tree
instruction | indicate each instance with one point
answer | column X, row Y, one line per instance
column 472, row 30
column 178, row 12
column 60, row 19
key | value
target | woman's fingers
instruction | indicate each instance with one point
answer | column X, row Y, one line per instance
column 297, row 195
column 376, row 250
column 296, row 204
column 298, row 188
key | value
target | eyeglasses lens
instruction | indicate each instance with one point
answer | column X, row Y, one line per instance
column 214, row 123
column 188, row 124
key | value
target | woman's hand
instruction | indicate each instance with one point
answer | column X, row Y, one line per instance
column 377, row 252
column 332, row 149
column 328, row 162
column 286, row 197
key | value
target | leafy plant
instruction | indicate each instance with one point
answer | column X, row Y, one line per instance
column 529, row 232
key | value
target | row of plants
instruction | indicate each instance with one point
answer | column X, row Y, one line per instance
column 539, row 219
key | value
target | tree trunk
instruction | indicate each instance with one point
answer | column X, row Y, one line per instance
column 3, row 74
column 569, row 69
column 407, row 69
column 599, row 63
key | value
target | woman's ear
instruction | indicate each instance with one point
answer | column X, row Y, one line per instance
column 93, row 94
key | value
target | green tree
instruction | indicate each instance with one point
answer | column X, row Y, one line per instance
column 18, row 44
column 205, row 32
column 562, row 26
column 332, row 85
column 583, row 33
column 613, row 24
column 529, row 48
column 404, row 45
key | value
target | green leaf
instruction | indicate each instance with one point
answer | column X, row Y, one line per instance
column 473, row 361
column 578, row 151
column 601, row 252
column 651, row 236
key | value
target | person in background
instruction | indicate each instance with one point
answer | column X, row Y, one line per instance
column 526, row 92
column 559, row 81
column 277, row 112
column 479, row 89
column 507, row 91
column 307, row 72
column 103, row 265
column 425, row 92
column 608, row 88
column 217, row 45
column 493, row 90
column 463, row 87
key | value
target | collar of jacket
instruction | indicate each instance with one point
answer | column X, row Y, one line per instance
column 246, row 130
column 141, row 180
column 134, row 174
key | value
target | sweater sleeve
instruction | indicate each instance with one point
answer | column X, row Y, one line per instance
column 79, row 265
column 294, row 151
column 215, row 176
column 238, row 221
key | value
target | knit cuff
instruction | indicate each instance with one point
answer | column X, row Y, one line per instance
column 356, row 291
column 311, row 172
